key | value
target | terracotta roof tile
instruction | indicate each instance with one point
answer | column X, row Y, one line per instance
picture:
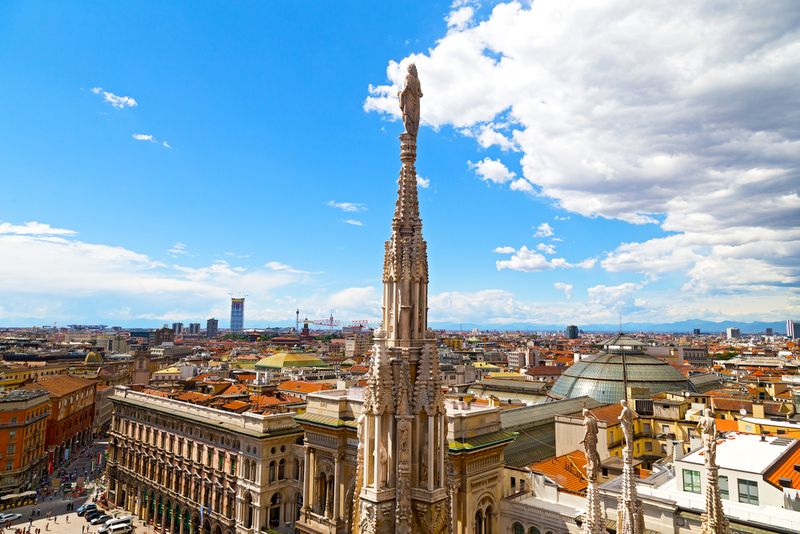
column 303, row 387
column 784, row 468
column 60, row 385
column 567, row 471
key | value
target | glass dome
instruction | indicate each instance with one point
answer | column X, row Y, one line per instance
column 601, row 377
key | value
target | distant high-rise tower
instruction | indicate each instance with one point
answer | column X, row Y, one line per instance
column 792, row 329
column 177, row 328
column 733, row 333
column 572, row 332
column 194, row 328
column 237, row 314
column 696, row 331
column 212, row 327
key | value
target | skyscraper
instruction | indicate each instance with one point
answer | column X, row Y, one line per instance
column 212, row 328
column 733, row 333
column 792, row 329
column 194, row 328
column 177, row 328
column 237, row 314
column 572, row 332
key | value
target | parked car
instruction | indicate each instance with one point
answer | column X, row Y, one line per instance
column 91, row 514
column 111, row 526
column 100, row 519
column 120, row 528
column 5, row 518
column 86, row 507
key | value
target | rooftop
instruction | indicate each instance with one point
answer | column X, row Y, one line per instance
column 735, row 447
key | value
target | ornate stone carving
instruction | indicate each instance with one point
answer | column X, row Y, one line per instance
column 630, row 518
column 409, row 101
column 593, row 519
column 713, row 520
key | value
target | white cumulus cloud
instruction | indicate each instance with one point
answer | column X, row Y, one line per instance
column 566, row 288
column 684, row 116
column 118, row 102
column 346, row 206
column 543, row 230
column 492, row 170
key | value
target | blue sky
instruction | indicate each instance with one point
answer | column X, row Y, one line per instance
column 256, row 152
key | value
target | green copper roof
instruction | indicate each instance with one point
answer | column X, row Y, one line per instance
column 480, row 442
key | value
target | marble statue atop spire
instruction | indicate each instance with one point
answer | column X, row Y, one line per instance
column 593, row 519
column 713, row 519
column 409, row 101
column 630, row 517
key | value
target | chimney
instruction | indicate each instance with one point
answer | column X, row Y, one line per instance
column 677, row 450
column 758, row 411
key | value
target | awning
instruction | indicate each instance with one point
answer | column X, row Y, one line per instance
column 9, row 496
column 27, row 494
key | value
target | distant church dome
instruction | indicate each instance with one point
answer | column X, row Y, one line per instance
column 601, row 376
column 93, row 357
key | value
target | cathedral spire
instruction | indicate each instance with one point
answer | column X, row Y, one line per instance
column 402, row 428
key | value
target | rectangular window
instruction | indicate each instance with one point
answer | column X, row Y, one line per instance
column 9, row 465
column 12, row 434
column 12, row 448
column 723, row 487
column 748, row 491
column 648, row 446
column 646, row 428
column 691, row 481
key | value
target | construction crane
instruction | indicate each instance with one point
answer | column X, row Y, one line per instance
column 330, row 322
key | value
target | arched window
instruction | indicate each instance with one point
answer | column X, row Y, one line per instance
column 534, row 530
column 517, row 528
column 489, row 517
column 248, row 511
column 275, row 510
column 479, row 522
column 272, row 471
column 282, row 469
column 298, row 506
column 297, row 470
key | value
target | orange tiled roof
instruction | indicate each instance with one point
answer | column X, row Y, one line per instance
column 567, row 471
column 303, row 387
column 264, row 401
column 608, row 413
column 155, row 393
column 784, row 468
column 727, row 425
column 60, row 385
column 235, row 406
column 194, row 397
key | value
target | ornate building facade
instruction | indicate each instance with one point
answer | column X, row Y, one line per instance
column 195, row 470
column 389, row 458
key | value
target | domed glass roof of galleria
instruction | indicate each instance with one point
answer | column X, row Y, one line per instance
column 601, row 377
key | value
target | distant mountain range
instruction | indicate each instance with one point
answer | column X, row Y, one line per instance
column 680, row 327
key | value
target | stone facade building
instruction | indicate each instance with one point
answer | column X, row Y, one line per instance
column 197, row 470
column 69, row 426
column 23, row 419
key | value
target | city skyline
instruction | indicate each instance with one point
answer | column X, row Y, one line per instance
column 207, row 160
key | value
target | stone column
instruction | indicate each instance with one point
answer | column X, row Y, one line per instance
column 337, row 482
column 376, row 452
column 430, row 453
column 307, row 479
